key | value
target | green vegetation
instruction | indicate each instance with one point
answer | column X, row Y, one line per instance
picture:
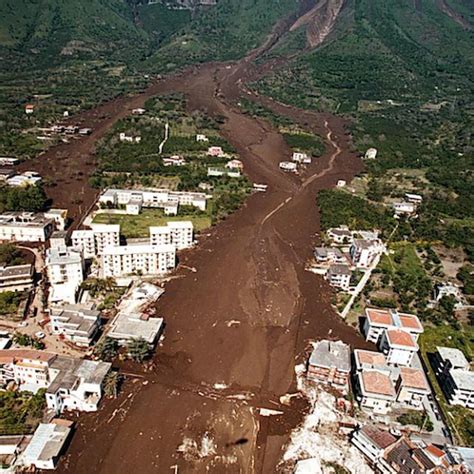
column 20, row 412
column 137, row 226
column 459, row 419
column 10, row 302
column 111, row 384
column 106, row 349
column 417, row 418
column 10, row 255
column 27, row 341
column 138, row 349
column 305, row 143
column 105, row 290
column 30, row 198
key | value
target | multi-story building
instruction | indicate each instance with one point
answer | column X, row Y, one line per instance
column 339, row 276
column 375, row 390
column 364, row 252
column 412, row 387
column 399, row 347
column 328, row 255
column 372, row 442
column 76, row 384
column 455, row 377
column 16, row 278
column 177, row 233
column 340, row 235
column 143, row 259
column 92, row 242
column 65, row 267
column 330, row 363
column 58, row 239
column 25, row 227
column 379, row 320
column 78, row 323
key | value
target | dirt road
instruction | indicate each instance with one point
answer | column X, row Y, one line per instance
column 238, row 325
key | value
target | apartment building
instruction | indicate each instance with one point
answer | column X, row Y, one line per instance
column 363, row 252
column 375, row 390
column 328, row 255
column 379, row 320
column 340, row 235
column 412, row 387
column 92, row 242
column 372, row 442
column 16, row 278
column 144, row 259
column 177, row 233
column 330, row 364
column 339, row 276
column 65, row 268
column 399, row 347
column 25, row 227
column 77, row 323
column 455, row 376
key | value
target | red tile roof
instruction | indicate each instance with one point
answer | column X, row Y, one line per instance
column 376, row 382
column 9, row 355
column 369, row 357
column 413, row 378
column 379, row 316
column 410, row 322
column 382, row 439
column 400, row 338
column 434, row 451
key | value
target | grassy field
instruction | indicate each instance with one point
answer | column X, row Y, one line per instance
column 137, row 226
column 460, row 420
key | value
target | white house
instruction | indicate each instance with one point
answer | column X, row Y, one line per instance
column 328, row 255
column 144, row 259
column 235, row 164
column 177, row 233
column 16, row 277
column 414, row 198
column 288, row 166
column 174, row 160
column 404, row 209
column 25, row 227
column 123, row 137
column 65, row 268
column 46, row 445
column 77, row 323
column 201, row 138
column 339, row 276
column 448, row 289
column 301, row 158
column 216, row 151
column 371, row 154
column 340, row 235
column 363, row 252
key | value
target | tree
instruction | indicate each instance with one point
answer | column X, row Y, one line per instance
column 10, row 255
column 111, row 384
column 106, row 349
column 138, row 349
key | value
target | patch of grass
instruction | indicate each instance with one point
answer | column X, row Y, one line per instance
column 137, row 226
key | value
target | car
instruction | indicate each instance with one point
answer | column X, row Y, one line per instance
column 40, row 335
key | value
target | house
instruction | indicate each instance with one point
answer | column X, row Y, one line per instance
column 215, row 151
column 369, row 360
column 85, row 131
column 339, row 276
column 340, row 235
column 138, row 111
column 28, row 369
column 136, row 318
column 260, row 187
column 10, row 447
column 174, row 160
column 29, row 109
column 58, row 239
column 330, row 364
column 205, row 186
column 412, row 387
column 25, row 227
column 413, row 198
column 364, row 252
column 145, row 259
column 78, row 323
column 448, row 289
column 46, row 445
column 341, row 183
column 372, row 442
column 8, row 161
column 59, row 216
column 329, row 255
column 301, row 158
column 288, row 166
column 377, row 321
column 76, row 384
column 177, row 233
column 217, row 172
column 404, row 209
column 375, row 390
column 455, row 377
column 65, row 269
column 134, row 206
column 399, row 347
column 201, row 138
column 235, row 164
column 16, row 278
column 123, row 137
column 28, row 178
column 371, row 154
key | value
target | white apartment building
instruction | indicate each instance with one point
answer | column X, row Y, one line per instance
column 339, row 276
column 92, row 242
column 288, row 166
column 77, row 323
column 363, row 252
column 379, row 320
column 373, row 442
column 299, row 157
column 76, row 384
column 412, row 387
column 329, row 255
column 375, row 390
column 16, row 278
column 145, row 259
column 455, row 376
column 177, row 233
column 59, row 216
column 25, row 227
column 340, row 235
column 398, row 346
column 404, row 208
column 154, row 197
column 65, row 267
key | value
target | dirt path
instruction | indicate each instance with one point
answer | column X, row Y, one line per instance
column 238, row 325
